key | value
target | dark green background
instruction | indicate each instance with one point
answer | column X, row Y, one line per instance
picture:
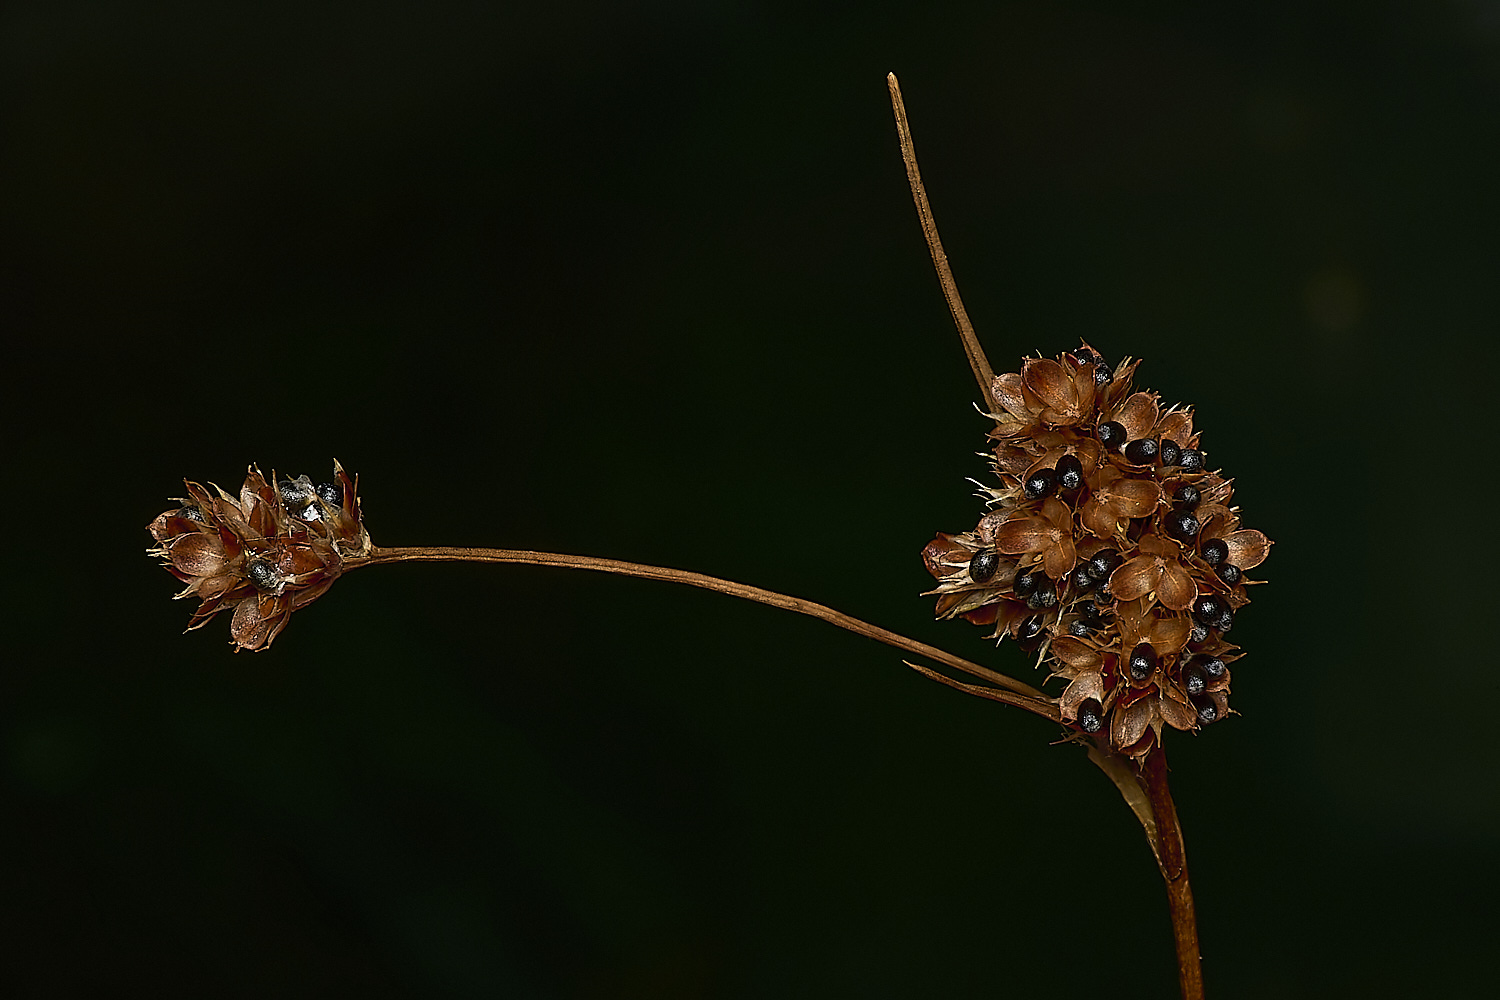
column 643, row 280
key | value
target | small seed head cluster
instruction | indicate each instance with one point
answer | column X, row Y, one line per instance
column 264, row 554
column 1111, row 549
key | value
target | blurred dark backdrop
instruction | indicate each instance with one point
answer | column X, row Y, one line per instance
column 644, row 280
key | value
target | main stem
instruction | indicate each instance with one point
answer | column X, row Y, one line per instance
column 1171, row 856
column 1007, row 689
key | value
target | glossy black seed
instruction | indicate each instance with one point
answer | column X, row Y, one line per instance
column 1089, row 612
column 1040, row 483
column 1208, row 609
column 192, row 513
column 1112, row 434
column 1183, row 525
column 1142, row 661
column 331, row 493
column 1208, row 712
column 1191, row 460
column 1084, row 356
column 1228, row 572
column 1104, row 595
column 1101, row 372
column 1199, row 633
column 1214, row 551
column 1141, row 451
column 262, row 575
column 1103, row 563
column 1043, row 597
column 1080, row 628
column 1080, row 578
column 1027, row 582
column 1090, row 716
column 1193, row 679
column 1170, row 453
column 1187, row 497
column 1069, row 473
column 983, row 566
column 294, row 495
column 1213, row 667
column 1226, row 620
column 1029, row 632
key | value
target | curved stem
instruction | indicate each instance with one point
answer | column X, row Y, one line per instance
column 1171, row 857
column 978, row 363
column 1008, row 689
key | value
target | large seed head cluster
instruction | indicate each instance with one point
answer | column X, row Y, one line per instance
column 1110, row 549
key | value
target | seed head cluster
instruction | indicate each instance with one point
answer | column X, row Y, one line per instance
column 1111, row 549
column 273, row 549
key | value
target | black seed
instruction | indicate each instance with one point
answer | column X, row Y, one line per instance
column 1212, row 666
column 1228, row 572
column 1208, row 609
column 1079, row 628
column 1103, row 563
column 1029, row 632
column 1084, row 356
column 1026, row 583
column 1191, row 460
column 1080, row 578
column 192, row 513
column 262, row 575
column 1043, row 597
column 1142, row 661
column 1199, row 633
column 1170, row 453
column 1226, row 620
column 294, row 495
column 1112, row 434
column 1214, row 551
column 1090, row 716
column 983, row 566
column 1089, row 612
column 331, row 493
column 1104, row 595
column 1187, row 496
column 1040, row 483
column 1208, row 712
column 1193, row 679
column 1141, row 451
column 1069, row 472
column 1183, row 525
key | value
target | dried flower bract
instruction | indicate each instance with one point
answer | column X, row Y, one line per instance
column 1111, row 549
column 262, row 555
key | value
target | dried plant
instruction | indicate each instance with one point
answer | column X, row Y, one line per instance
column 1111, row 551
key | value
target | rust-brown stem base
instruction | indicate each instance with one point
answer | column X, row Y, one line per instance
column 1172, row 858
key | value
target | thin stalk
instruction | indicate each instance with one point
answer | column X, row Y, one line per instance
column 1171, row 857
column 978, row 363
column 1008, row 689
